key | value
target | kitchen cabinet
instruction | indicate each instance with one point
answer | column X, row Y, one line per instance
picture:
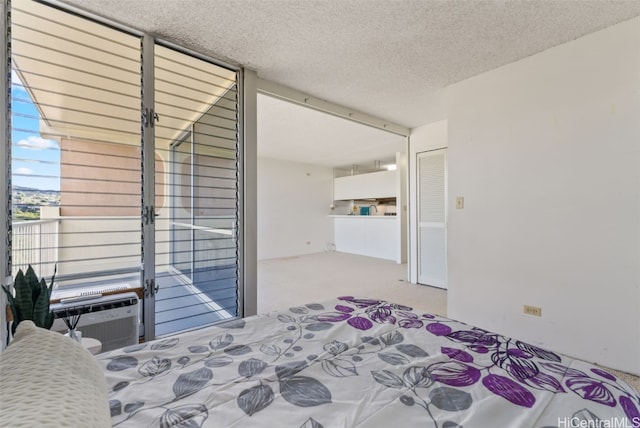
column 373, row 236
column 366, row 186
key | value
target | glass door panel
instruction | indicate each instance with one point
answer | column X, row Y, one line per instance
column 75, row 149
column 196, row 246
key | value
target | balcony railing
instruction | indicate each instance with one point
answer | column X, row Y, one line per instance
column 35, row 243
column 90, row 248
column 196, row 271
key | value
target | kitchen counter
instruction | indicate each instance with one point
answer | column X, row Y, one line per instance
column 364, row 216
column 367, row 235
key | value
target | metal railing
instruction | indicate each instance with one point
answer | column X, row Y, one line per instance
column 35, row 243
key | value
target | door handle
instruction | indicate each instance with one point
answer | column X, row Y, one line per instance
column 151, row 288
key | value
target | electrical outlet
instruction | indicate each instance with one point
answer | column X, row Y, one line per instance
column 532, row 310
column 459, row 202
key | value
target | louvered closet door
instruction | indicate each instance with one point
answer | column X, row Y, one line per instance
column 432, row 218
column 196, row 144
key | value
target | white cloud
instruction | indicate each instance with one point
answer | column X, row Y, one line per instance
column 23, row 171
column 37, row 143
column 17, row 87
column 15, row 79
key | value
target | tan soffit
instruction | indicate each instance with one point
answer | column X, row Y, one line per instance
column 85, row 78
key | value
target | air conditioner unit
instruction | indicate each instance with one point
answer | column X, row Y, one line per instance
column 113, row 319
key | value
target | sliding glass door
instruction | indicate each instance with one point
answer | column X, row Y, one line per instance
column 115, row 197
column 75, row 149
column 196, row 259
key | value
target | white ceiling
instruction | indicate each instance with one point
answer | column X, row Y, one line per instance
column 386, row 58
column 291, row 132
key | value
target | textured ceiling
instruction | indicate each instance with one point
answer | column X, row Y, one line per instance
column 382, row 57
column 386, row 58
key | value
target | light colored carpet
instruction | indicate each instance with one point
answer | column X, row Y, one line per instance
column 292, row 281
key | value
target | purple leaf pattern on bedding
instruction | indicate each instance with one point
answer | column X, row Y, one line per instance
column 410, row 323
column 630, row 409
column 544, row 381
column 361, row 323
column 345, row 309
column 604, row 374
column 508, row 389
column 441, row 368
column 454, row 373
column 563, row 370
column 457, row 354
column 593, row 390
column 438, row 329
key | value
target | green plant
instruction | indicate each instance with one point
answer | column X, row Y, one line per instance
column 30, row 300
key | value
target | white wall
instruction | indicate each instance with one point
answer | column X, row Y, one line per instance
column 546, row 152
column 293, row 208
column 422, row 139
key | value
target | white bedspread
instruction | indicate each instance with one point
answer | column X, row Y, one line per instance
column 358, row 363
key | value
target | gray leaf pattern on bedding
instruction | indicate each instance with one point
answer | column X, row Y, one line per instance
column 356, row 362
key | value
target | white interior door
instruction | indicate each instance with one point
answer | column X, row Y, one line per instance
column 432, row 218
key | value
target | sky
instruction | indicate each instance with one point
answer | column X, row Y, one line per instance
column 35, row 160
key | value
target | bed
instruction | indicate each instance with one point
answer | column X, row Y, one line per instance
column 350, row 362
column 355, row 362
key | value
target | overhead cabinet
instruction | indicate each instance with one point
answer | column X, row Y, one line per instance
column 366, row 186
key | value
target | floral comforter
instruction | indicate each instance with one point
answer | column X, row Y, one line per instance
column 358, row 363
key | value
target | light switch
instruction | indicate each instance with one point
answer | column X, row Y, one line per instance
column 459, row 202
